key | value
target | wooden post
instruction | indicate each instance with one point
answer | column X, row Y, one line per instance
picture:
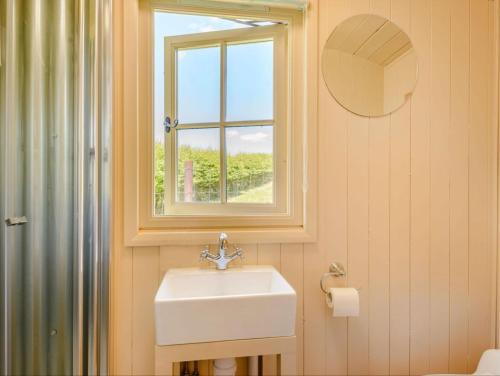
column 163, row 365
column 288, row 364
column 188, row 181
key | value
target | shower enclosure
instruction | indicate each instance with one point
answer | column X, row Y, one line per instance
column 55, row 184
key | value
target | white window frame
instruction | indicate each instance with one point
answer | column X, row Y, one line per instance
column 134, row 117
column 279, row 206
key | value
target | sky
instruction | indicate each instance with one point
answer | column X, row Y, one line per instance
column 255, row 139
column 249, row 85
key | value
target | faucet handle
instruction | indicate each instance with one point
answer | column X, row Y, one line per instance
column 204, row 254
column 238, row 253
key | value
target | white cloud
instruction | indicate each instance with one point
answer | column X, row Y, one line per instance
column 254, row 137
column 206, row 29
column 200, row 27
column 232, row 133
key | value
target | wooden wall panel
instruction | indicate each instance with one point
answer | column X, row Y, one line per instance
column 494, row 140
column 357, row 238
column 379, row 232
column 405, row 203
column 440, row 186
column 420, row 192
column 314, row 317
column 357, row 230
column 121, row 269
column 459, row 188
column 399, row 243
column 269, row 254
column 400, row 149
column 315, row 329
column 145, row 279
column 251, row 255
column 122, row 312
column 480, row 255
column 292, row 261
column 333, row 187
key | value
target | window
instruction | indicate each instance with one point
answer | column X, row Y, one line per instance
column 234, row 78
column 227, row 155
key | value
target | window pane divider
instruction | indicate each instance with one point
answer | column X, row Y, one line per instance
column 248, row 123
column 217, row 124
column 223, row 164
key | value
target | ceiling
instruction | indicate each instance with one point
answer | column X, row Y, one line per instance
column 371, row 37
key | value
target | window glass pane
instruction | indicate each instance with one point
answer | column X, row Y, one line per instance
column 198, row 165
column 249, row 153
column 168, row 24
column 159, row 179
column 198, row 96
column 249, row 81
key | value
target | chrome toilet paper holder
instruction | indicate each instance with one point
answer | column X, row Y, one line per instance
column 336, row 270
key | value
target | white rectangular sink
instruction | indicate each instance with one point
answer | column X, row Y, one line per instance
column 195, row 305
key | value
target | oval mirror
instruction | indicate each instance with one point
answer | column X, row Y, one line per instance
column 369, row 65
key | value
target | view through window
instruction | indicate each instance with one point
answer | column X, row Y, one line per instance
column 222, row 151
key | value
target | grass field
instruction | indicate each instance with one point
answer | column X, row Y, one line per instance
column 262, row 194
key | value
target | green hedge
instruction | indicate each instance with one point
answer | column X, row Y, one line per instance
column 206, row 168
column 159, row 169
column 244, row 170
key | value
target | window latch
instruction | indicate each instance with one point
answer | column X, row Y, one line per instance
column 168, row 124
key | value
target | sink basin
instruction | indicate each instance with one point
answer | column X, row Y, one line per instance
column 195, row 305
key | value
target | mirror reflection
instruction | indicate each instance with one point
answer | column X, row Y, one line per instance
column 369, row 65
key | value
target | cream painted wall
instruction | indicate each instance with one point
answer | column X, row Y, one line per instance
column 406, row 203
column 356, row 81
column 399, row 80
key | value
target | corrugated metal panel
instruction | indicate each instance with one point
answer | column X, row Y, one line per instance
column 54, row 169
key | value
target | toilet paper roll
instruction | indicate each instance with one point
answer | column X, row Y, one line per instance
column 344, row 301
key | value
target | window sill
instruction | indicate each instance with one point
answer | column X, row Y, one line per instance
column 179, row 237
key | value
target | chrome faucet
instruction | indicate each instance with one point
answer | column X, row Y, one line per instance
column 221, row 260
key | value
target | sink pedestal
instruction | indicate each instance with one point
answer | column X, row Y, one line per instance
column 284, row 347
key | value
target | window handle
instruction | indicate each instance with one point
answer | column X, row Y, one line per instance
column 168, row 124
